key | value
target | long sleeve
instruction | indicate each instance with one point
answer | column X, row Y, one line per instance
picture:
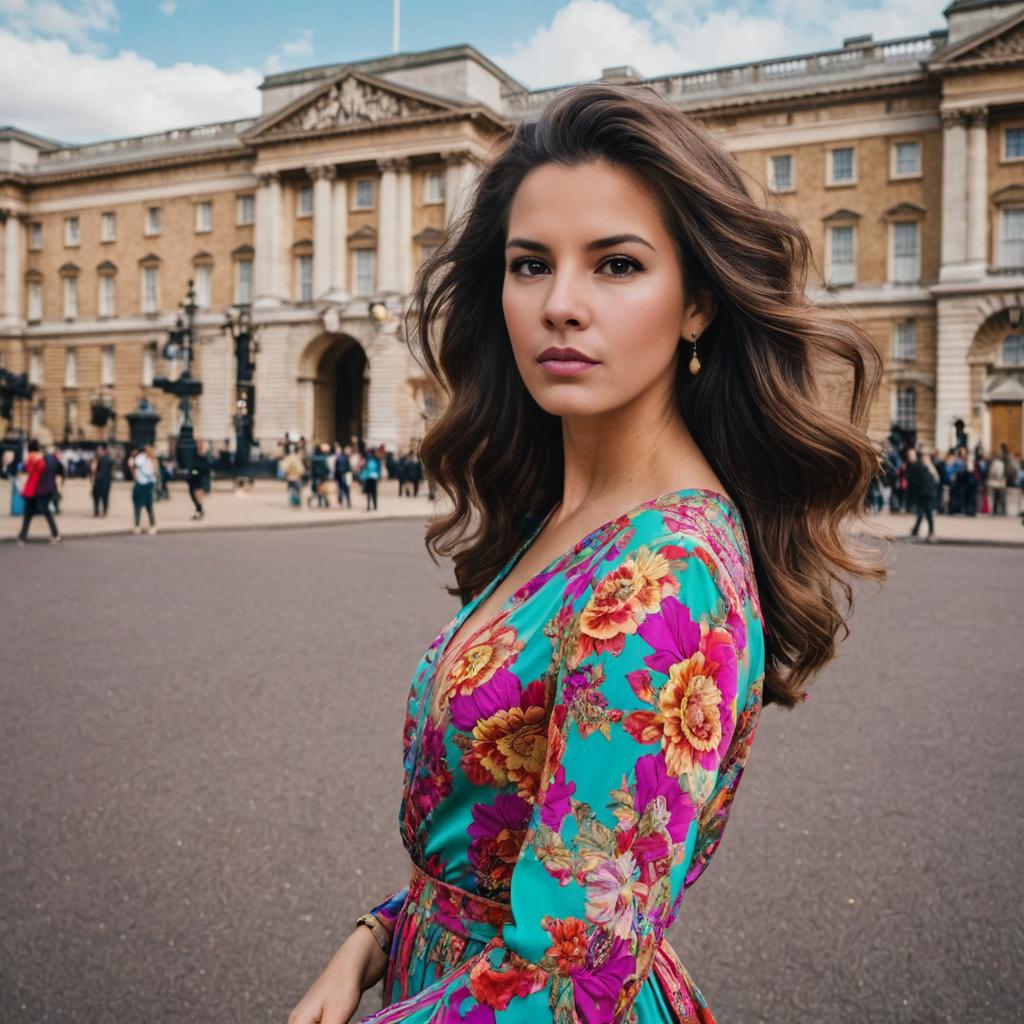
column 387, row 911
column 650, row 677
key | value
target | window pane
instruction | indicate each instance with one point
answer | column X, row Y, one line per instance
column 1014, row 142
column 35, row 300
column 107, row 367
column 906, row 408
column 245, row 282
column 782, row 172
column 841, row 255
column 35, row 236
column 107, row 295
column 908, row 158
column 305, row 278
column 245, row 209
column 150, row 283
column 108, row 227
column 434, row 188
column 305, row 200
column 842, row 165
column 204, row 216
column 364, row 193
column 70, row 369
column 365, row 271
column 148, row 365
column 905, row 252
column 203, row 278
column 1011, row 242
column 905, row 346
column 70, row 297
column 1013, row 349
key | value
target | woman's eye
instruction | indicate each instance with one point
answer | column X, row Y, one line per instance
column 621, row 266
column 517, row 267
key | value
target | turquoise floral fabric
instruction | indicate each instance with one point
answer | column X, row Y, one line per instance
column 569, row 770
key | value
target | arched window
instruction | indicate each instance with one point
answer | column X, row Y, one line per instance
column 906, row 408
column 1013, row 349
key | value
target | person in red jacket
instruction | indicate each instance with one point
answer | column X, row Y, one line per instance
column 37, row 493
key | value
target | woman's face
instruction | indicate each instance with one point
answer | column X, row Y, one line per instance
column 590, row 266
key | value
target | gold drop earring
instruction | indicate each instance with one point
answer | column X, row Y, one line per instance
column 694, row 361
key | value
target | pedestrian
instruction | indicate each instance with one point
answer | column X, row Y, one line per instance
column 318, row 472
column 415, row 472
column 55, row 471
column 40, row 482
column 101, row 472
column 200, row 478
column 144, row 470
column 995, row 481
column 922, row 489
column 575, row 736
column 291, row 469
column 370, row 476
column 342, row 468
column 1013, row 481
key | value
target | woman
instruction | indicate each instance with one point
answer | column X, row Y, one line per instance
column 37, row 492
column 144, row 475
column 649, row 492
column 923, row 481
column 370, row 476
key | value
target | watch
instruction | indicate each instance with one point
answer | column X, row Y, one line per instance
column 380, row 933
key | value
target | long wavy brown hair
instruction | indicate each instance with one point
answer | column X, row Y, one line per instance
column 779, row 408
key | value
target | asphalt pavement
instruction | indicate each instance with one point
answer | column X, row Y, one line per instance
column 200, row 769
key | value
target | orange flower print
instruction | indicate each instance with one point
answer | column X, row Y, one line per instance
column 568, row 941
column 510, row 746
column 622, row 599
column 690, row 711
column 465, row 668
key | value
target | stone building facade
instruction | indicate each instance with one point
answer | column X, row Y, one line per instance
column 903, row 160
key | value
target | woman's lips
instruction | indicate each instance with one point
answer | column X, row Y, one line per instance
column 566, row 367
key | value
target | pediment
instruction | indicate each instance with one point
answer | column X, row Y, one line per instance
column 999, row 44
column 841, row 215
column 905, row 210
column 350, row 100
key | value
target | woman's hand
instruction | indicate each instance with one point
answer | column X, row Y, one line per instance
column 332, row 999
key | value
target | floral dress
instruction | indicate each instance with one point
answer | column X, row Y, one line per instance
column 569, row 769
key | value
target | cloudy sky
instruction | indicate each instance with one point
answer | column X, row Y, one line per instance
column 81, row 70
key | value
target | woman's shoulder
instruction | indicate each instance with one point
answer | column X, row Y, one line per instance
column 702, row 523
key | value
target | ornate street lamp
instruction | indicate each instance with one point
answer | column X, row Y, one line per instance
column 181, row 340
column 239, row 327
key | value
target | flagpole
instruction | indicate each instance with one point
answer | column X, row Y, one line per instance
column 395, row 14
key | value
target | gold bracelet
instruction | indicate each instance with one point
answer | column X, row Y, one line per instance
column 380, row 933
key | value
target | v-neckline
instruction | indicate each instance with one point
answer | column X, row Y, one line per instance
column 467, row 610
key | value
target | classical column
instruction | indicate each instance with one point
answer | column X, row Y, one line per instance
column 13, row 271
column 954, row 192
column 268, row 276
column 323, row 228
column 387, row 227
column 977, row 189
column 339, row 238
column 404, row 226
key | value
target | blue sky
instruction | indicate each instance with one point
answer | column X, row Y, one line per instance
column 79, row 70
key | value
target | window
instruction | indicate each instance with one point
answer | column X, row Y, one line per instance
column 365, row 268
column 35, row 236
column 38, row 414
column 148, row 365
column 204, row 217
column 107, row 366
column 204, row 277
column 305, row 201
column 70, row 297
column 150, row 289
column 245, row 210
column 904, row 342
column 906, row 408
column 841, row 166
column 841, row 255
column 781, row 177
column 108, row 227
column 433, row 187
column 70, row 417
column 304, row 277
column 906, row 159
column 363, row 198
column 905, row 264
column 72, row 235
column 153, row 220
column 1013, row 350
column 1014, row 145
column 243, row 283
column 108, row 295
column 35, row 300
column 35, row 367
column 70, row 368
column 1011, row 237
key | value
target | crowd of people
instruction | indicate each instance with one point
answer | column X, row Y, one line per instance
column 960, row 483
column 331, row 471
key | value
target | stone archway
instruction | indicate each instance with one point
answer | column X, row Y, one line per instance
column 997, row 383
column 336, row 367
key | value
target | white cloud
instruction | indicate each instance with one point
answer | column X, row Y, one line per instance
column 83, row 96
column 168, row 7
column 284, row 56
column 585, row 36
column 75, row 21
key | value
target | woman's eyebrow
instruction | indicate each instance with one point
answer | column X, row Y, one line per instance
column 598, row 243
